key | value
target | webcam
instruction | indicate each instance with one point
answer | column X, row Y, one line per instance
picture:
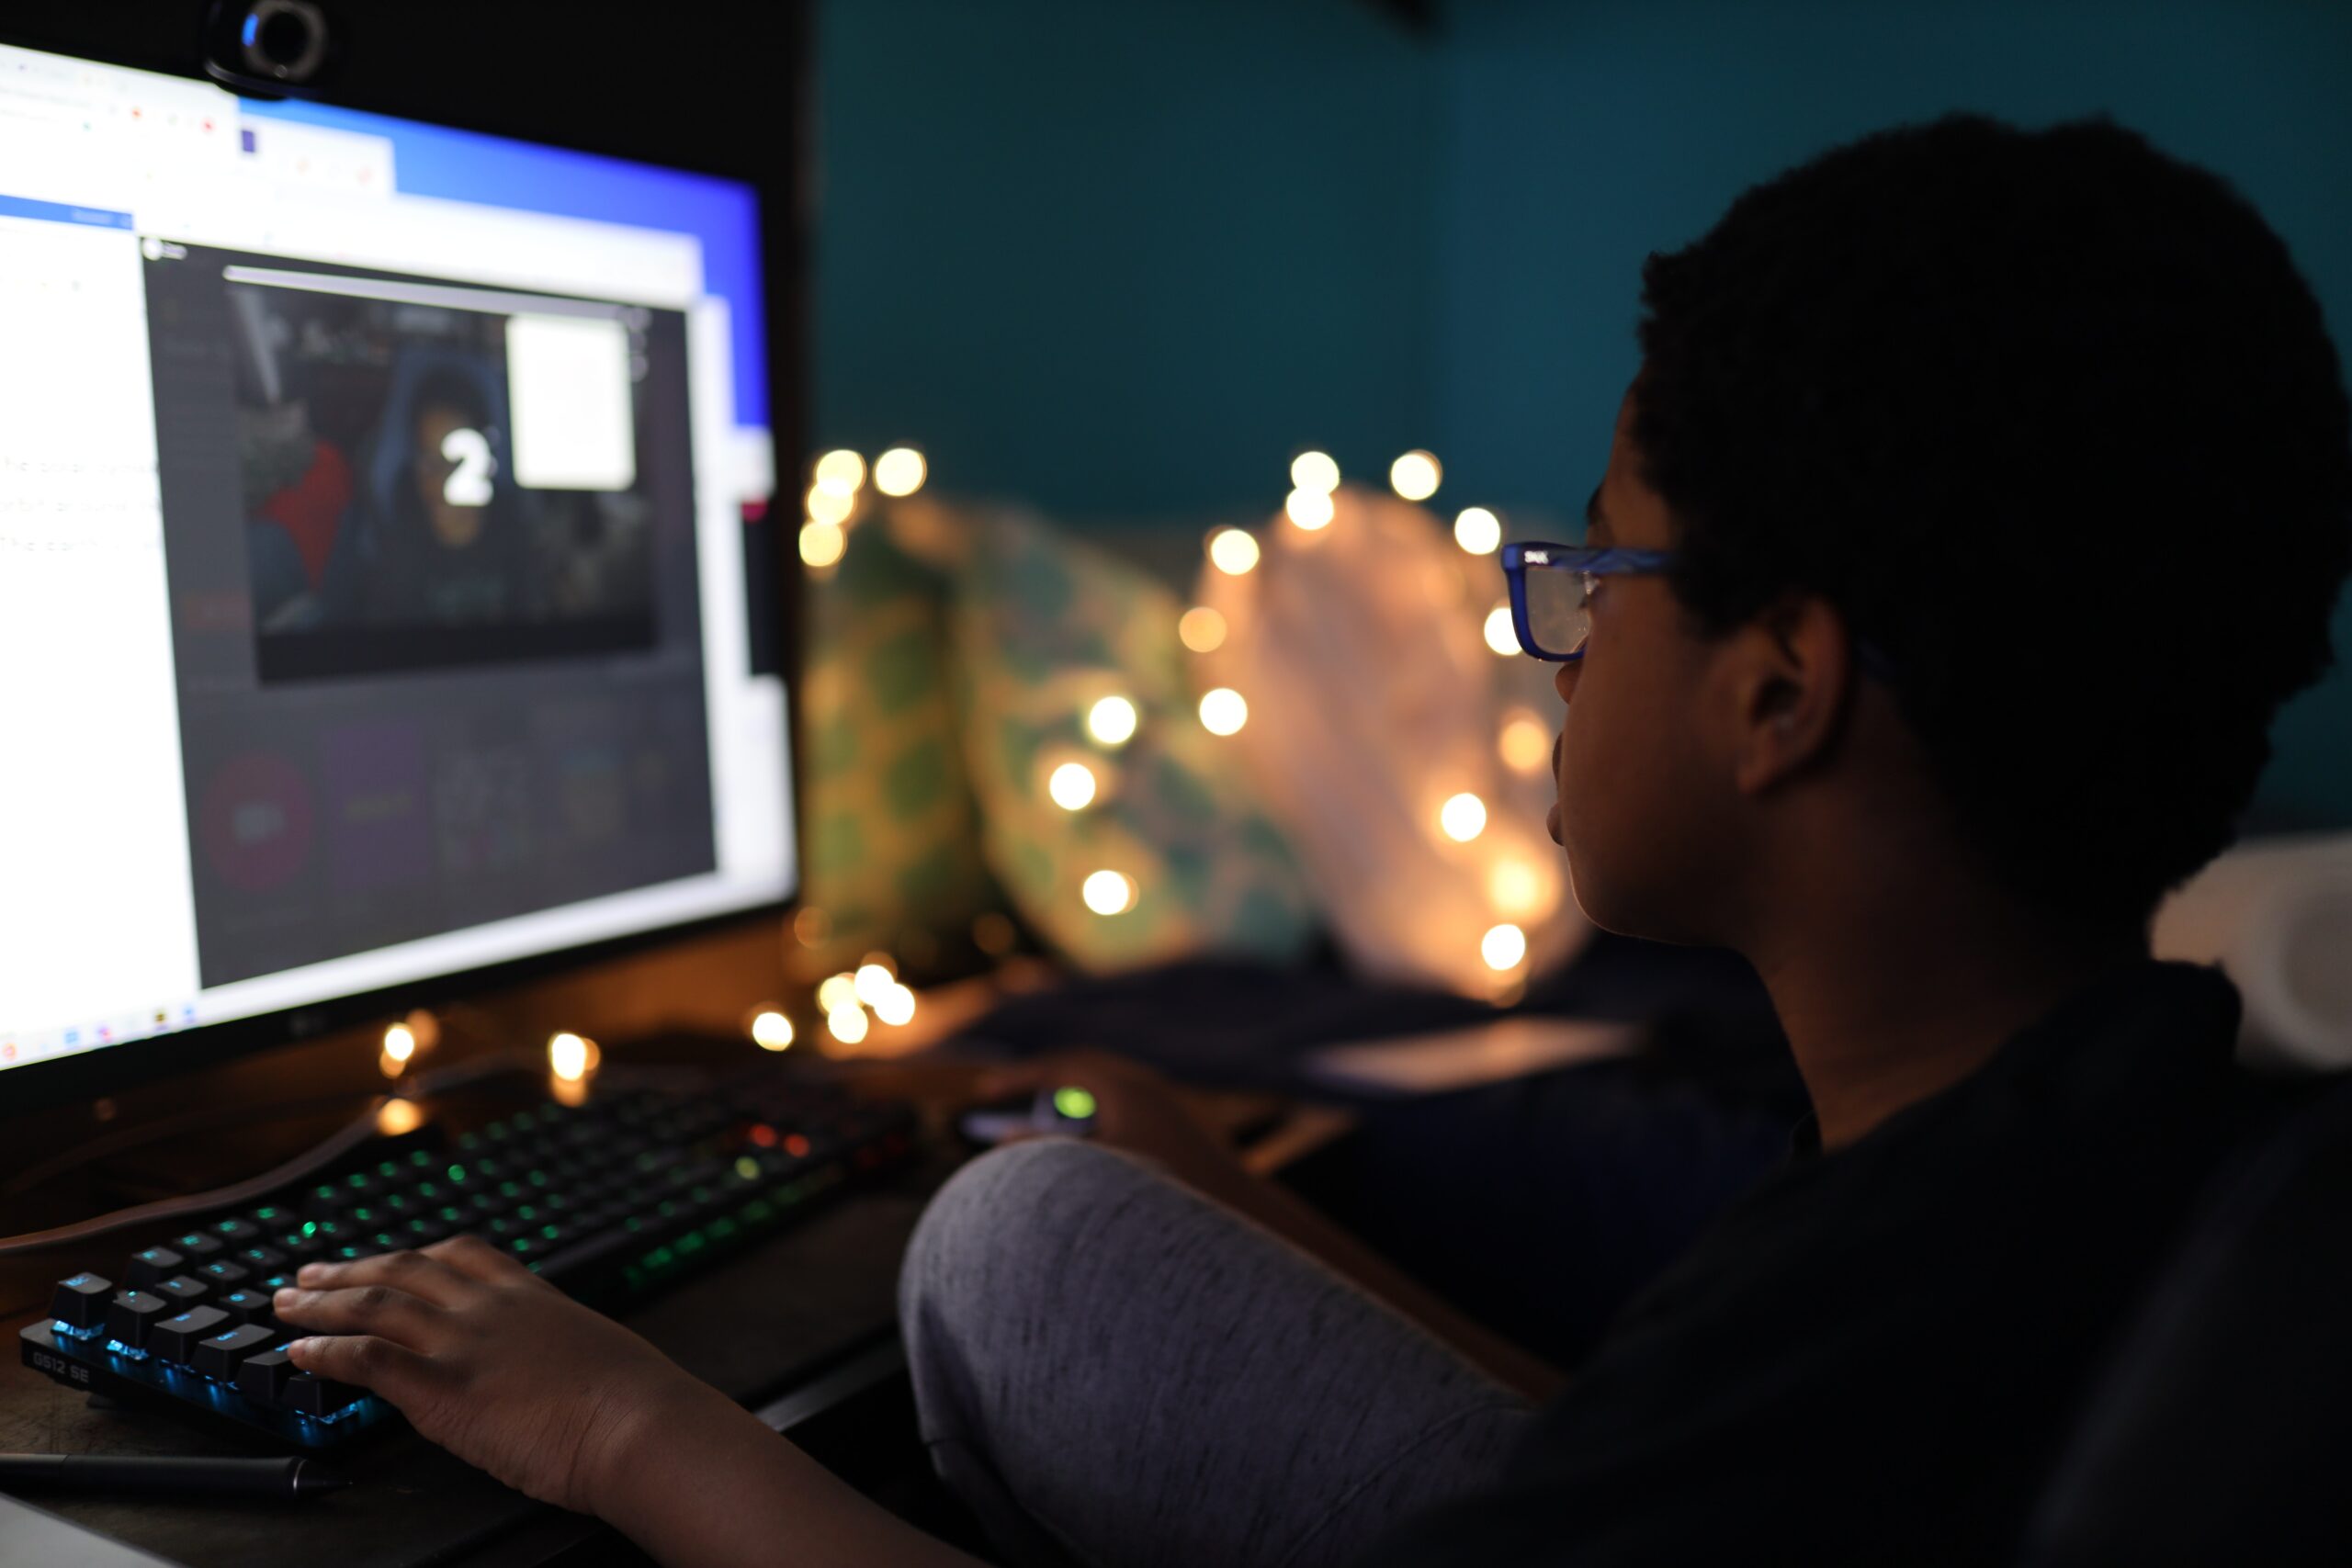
column 267, row 45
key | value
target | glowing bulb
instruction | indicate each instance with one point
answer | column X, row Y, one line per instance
column 821, row 543
column 900, row 471
column 1223, row 711
column 829, row 506
column 400, row 1042
column 1071, row 787
column 1503, row 947
column 838, row 991
column 1201, row 629
column 846, row 1024
column 873, row 983
column 1112, row 721
column 1233, row 551
column 1315, row 470
column 1501, row 636
column 1108, row 893
column 1525, row 745
column 569, row 1056
column 771, row 1031
column 1463, row 816
column 840, row 473
column 1310, row 509
column 1478, row 531
column 897, row 1007
column 1415, row 476
column 1516, row 887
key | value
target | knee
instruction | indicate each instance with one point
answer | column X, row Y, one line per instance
column 1001, row 1228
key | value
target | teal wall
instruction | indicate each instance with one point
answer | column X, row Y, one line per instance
column 1120, row 258
column 1582, row 134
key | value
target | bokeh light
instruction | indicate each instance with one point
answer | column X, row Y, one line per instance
column 1108, row 893
column 838, row 991
column 821, row 543
column 1071, row 787
column 1223, row 711
column 826, row 506
column 897, row 1007
column 1310, row 509
column 1201, row 629
column 1520, row 888
column 1478, row 531
column 400, row 1042
column 900, row 471
column 1503, row 947
column 1501, row 635
column 846, row 1024
column 771, row 1031
column 1463, row 817
column 1112, row 721
column 1315, row 470
column 1233, row 551
column 1525, row 745
column 571, row 1056
column 840, row 473
column 872, row 983
column 1415, row 475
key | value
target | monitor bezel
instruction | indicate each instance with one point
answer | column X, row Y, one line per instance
column 113, row 1068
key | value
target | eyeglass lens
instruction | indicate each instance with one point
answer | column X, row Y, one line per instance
column 1555, row 610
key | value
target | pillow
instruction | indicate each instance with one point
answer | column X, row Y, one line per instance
column 1044, row 628
column 1374, row 701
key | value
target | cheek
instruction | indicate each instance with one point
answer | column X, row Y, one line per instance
column 1622, row 806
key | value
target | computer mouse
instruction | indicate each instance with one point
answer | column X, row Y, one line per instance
column 1063, row 1113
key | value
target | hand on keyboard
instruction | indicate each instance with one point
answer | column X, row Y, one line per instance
column 491, row 1362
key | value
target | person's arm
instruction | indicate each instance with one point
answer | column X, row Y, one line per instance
column 565, row 1404
column 1136, row 1110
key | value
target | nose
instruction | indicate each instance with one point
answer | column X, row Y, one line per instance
column 1564, row 679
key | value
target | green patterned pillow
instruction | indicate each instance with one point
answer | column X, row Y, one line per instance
column 893, row 838
column 1045, row 627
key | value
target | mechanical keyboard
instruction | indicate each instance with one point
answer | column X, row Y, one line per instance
column 610, row 1201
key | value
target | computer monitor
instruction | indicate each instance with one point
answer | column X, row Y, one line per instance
column 374, row 613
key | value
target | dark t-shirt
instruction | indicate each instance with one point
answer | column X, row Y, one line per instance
column 1876, row 1355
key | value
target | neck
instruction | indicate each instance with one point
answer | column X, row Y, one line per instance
column 1880, row 1020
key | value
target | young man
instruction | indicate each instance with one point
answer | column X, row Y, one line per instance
column 2003, row 487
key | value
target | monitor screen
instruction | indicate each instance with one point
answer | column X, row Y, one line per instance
column 372, row 567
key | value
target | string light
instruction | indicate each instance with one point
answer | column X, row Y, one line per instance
column 900, row 471
column 1071, row 787
column 1310, row 509
column 1315, row 470
column 1516, row 887
column 400, row 1042
column 1201, row 629
column 821, row 543
column 398, row 1118
column 1233, row 551
column 1223, row 711
column 771, row 1031
column 846, row 1024
column 897, row 1007
column 872, row 983
column 838, row 991
column 1478, row 531
column 1108, row 893
column 1112, row 721
column 829, row 506
column 812, row 927
column 1501, row 636
column 840, row 473
column 572, row 1057
column 1525, row 745
column 1503, row 947
column 1463, row 816
column 1415, row 475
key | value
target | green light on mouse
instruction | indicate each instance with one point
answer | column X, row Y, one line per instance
column 1074, row 1102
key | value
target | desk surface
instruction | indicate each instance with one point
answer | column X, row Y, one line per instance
column 752, row 1325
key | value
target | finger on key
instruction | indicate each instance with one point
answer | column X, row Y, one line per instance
column 379, row 1309
column 419, row 1275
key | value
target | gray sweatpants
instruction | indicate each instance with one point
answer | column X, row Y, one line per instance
column 1111, row 1369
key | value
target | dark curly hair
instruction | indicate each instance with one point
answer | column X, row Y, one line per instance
column 2052, row 420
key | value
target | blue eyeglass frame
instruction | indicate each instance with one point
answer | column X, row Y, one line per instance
column 1591, row 560
column 1607, row 561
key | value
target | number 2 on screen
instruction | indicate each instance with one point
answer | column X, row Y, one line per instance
column 469, row 483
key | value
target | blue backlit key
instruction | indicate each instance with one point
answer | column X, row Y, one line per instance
column 175, row 1338
column 218, row 1355
column 81, row 1300
column 131, row 1312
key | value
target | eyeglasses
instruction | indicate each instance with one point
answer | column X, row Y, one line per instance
column 1551, row 598
column 1550, row 591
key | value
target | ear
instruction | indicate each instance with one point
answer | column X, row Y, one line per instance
column 1791, row 672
